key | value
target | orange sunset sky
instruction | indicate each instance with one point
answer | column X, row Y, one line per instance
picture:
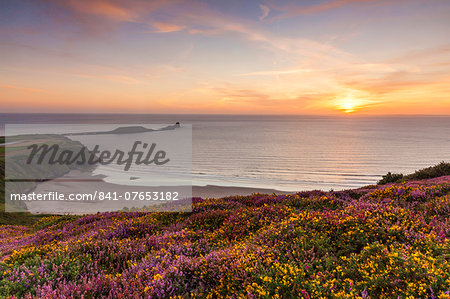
column 230, row 57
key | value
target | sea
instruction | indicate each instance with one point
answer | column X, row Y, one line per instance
column 289, row 153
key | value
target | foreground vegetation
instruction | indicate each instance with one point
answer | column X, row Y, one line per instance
column 435, row 171
column 376, row 242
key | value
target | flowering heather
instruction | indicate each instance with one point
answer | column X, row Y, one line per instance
column 376, row 242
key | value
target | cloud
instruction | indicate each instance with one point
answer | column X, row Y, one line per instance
column 295, row 10
column 163, row 70
column 193, row 16
column 166, row 27
column 265, row 12
column 398, row 81
column 265, row 99
column 205, row 21
column 118, row 10
column 114, row 78
column 103, row 8
column 233, row 92
column 101, row 17
column 276, row 72
column 28, row 90
column 424, row 54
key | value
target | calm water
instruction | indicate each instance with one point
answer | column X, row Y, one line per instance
column 294, row 152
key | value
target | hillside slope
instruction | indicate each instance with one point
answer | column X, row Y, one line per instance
column 377, row 242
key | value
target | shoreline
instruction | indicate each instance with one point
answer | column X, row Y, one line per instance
column 215, row 191
column 84, row 182
column 208, row 191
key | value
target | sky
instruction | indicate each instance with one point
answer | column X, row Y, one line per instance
column 226, row 57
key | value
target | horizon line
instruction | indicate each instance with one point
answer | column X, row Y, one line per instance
column 348, row 115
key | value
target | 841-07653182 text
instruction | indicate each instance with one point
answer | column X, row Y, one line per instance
column 97, row 195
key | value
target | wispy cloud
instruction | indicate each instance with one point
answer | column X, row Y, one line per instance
column 252, row 100
column 196, row 18
column 118, row 10
column 100, row 17
column 233, row 92
column 204, row 21
column 25, row 89
column 276, row 72
column 166, row 27
column 289, row 11
column 103, row 8
column 114, row 78
column 264, row 12
column 163, row 70
column 423, row 54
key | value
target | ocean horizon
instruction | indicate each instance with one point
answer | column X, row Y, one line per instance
column 287, row 153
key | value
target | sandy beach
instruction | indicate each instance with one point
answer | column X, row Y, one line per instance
column 85, row 182
column 92, row 183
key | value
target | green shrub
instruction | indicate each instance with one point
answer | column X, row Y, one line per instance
column 390, row 178
column 438, row 170
column 435, row 171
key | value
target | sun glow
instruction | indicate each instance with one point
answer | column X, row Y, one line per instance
column 348, row 107
column 348, row 104
column 352, row 101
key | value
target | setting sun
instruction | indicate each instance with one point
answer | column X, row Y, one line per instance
column 349, row 106
column 353, row 100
